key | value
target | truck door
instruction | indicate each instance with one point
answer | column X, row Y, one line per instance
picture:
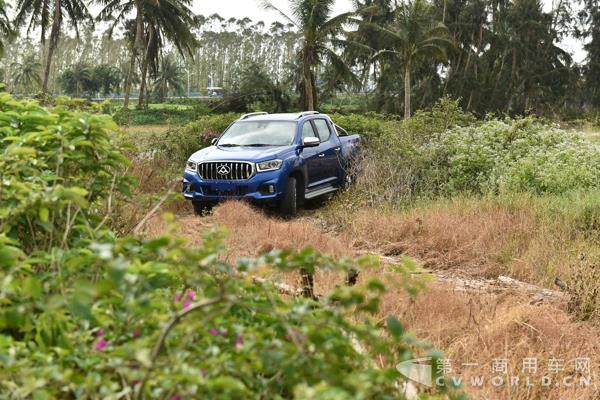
column 311, row 156
column 329, row 151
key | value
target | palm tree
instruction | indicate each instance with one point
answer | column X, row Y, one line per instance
column 320, row 35
column 167, row 20
column 108, row 78
column 27, row 73
column 169, row 78
column 155, row 23
column 413, row 36
column 77, row 79
column 44, row 14
column 6, row 30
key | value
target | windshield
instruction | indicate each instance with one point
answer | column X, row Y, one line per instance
column 259, row 133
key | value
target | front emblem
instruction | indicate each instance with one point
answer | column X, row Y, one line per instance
column 223, row 169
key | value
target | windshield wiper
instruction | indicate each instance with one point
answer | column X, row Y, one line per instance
column 257, row 145
column 229, row 145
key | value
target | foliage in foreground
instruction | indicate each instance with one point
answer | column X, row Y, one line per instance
column 86, row 315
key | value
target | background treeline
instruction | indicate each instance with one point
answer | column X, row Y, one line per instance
column 498, row 56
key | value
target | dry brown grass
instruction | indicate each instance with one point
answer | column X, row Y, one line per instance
column 472, row 240
column 484, row 238
column 252, row 232
column 478, row 328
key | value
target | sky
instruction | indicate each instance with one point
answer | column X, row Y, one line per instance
column 252, row 9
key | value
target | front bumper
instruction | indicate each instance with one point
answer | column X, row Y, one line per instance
column 263, row 186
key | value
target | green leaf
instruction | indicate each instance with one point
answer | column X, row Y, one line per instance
column 44, row 214
column 395, row 327
column 32, row 287
column 41, row 395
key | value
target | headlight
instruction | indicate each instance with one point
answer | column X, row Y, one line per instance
column 191, row 166
column 269, row 165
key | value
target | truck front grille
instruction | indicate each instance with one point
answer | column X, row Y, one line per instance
column 234, row 192
column 226, row 170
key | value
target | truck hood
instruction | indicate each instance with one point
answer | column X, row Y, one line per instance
column 253, row 154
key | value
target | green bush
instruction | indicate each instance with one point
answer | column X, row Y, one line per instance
column 157, row 116
column 511, row 156
column 56, row 167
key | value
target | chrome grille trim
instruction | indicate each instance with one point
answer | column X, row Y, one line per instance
column 238, row 170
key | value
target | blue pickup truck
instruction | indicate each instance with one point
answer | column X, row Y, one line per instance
column 281, row 159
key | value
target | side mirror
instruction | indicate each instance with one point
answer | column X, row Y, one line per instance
column 214, row 141
column 310, row 142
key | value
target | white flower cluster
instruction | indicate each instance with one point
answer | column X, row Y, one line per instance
column 520, row 155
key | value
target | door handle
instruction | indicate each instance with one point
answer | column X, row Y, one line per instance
column 321, row 155
column 337, row 149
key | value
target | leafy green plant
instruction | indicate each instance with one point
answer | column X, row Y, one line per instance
column 55, row 168
column 511, row 156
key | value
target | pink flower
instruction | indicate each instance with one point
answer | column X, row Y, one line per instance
column 135, row 382
column 239, row 342
column 137, row 333
column 176, row 397
column 101, row 344
column 192, row 295
column 217, row 332
column 178, row 297
column 186, row 304
column 100, row 333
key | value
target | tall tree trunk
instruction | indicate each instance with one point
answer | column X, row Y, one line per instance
column 407, row 91
column 145, row 62
column 139, row 22
column 128, row 78
column 52, row 43
column 143, row 83
column 309, row 100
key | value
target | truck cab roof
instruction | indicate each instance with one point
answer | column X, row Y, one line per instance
column 292, row 117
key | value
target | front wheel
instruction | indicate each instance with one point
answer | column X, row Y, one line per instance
column 289, row 202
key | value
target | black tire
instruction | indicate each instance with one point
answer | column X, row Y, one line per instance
column 289, row 203
column 201, row 208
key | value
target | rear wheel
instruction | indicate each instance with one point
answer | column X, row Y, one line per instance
column 289, row 202
column 201, row 208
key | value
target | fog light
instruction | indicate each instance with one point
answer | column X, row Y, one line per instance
column 271, row 189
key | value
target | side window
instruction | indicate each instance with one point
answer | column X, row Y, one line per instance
column 322, row 129
column 307, row 130
column 341, row 131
